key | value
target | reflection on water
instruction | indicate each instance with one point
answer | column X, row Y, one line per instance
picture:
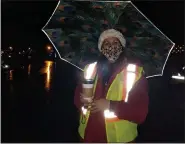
column 29, row 69
column 47, row 69
column 11, row 75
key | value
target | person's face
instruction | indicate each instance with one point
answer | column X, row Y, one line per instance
column 112, row 49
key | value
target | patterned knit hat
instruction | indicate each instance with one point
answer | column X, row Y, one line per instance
column 111, row 33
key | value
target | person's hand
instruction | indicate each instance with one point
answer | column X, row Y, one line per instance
column 99, row 105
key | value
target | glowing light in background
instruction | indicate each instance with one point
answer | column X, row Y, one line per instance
column 178, row 77
column 11, row 75
column 29, row 69
column 48, row 48
column 47, row 69
column 11, row 48
column 6, row 66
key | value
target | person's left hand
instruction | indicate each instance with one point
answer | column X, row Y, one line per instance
column 99, row 105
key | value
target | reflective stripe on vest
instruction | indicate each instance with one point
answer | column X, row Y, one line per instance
column 90, row 71
column 118, row 130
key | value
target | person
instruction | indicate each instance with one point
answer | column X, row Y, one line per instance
column 115, row 110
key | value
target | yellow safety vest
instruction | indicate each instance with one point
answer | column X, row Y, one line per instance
column 117, row 130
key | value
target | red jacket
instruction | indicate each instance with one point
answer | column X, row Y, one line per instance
column 135, row 110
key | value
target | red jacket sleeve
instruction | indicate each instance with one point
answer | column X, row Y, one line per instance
column 136, row 108
column 78, row 90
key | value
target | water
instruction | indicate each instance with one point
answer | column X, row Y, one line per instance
column 37, row 106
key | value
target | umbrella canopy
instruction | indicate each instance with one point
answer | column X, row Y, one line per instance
column 74, row 29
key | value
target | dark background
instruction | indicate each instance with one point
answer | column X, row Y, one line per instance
column 32, row 114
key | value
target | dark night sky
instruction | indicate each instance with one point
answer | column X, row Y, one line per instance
column 22, row 21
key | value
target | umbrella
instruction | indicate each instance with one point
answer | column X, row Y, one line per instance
column 75, row 26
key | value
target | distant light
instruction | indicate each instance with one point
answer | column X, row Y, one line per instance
column 6, row 66
column 9, row 56
column 179, row 77
column 49, row 47
column 19, row 52
column 11, row 48
column 183, row 68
